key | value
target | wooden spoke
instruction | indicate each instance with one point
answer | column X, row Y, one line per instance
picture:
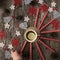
column 36, row 17
column 50, row 39
column 50, row 31
column 47, row 46
column 31, row 51
column 40, row 51
column 47, row 24
column 25, row 43
column 40, row 25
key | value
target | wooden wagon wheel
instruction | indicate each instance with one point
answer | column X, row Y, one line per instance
column 33, row 34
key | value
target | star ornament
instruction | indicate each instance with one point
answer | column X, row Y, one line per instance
column 53, row 4
column 10, row 46
column 12, row 7
column 7, row 25
column 18, row 33
column 50, row 9
column 26, row 19
column 2, row 44
column 41, row 1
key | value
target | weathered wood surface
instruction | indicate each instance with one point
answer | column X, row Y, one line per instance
column 11, row 34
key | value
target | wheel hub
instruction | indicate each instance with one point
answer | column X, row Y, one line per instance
column 31, row 34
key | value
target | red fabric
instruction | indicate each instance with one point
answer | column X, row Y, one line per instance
column 32, row 10
column 18, row 2
column 55, row 24
column 15, row 42
column 44, row 7
column 2, row 34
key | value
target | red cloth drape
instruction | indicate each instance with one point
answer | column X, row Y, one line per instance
column 44, row 7
column 18, row 2
column 2, row 34
column 56, row 24
column 32, row 10
column 15, row 42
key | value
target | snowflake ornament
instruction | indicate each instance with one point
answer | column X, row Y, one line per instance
column 53, row 4
column 41, row 1
column 27, row 1
column 7, row 25
column 7, row 54
column 10, row 46
column 18, row 33
column 56, row 14
column 7, row 19
column 50, row 9
column 12, row 7
column 26, row 19
column 2, row 44
column 23, row 25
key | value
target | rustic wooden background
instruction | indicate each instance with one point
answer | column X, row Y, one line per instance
column 10, row 33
